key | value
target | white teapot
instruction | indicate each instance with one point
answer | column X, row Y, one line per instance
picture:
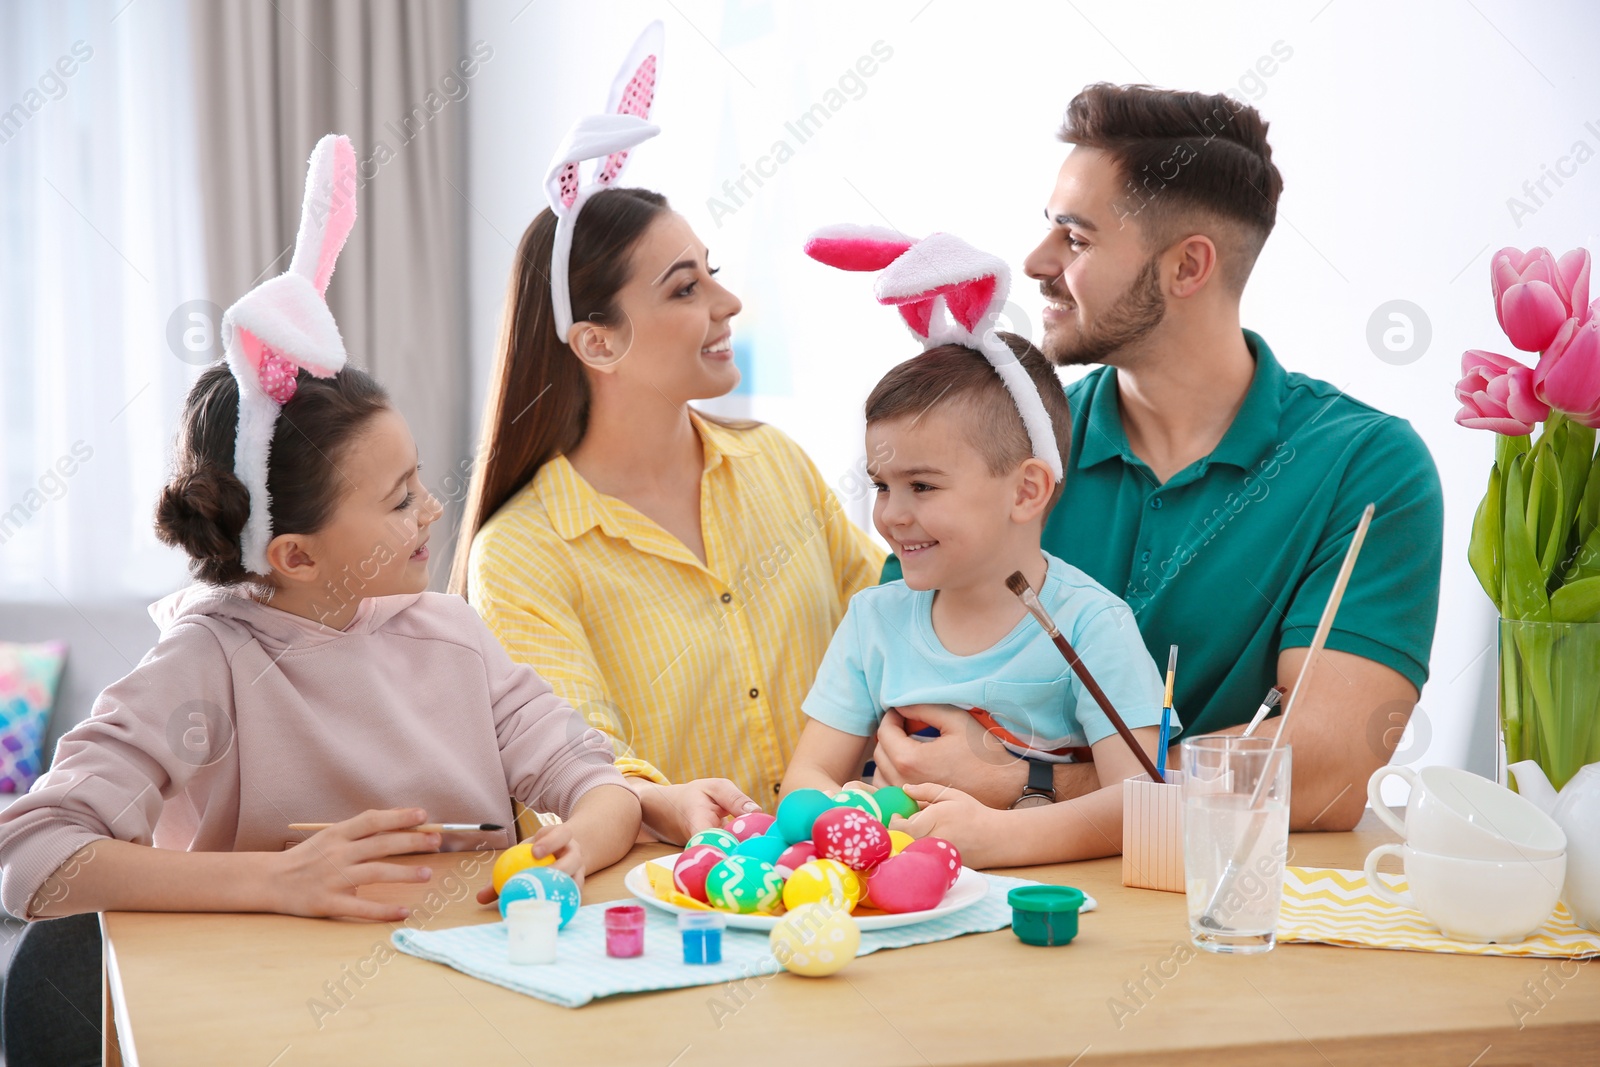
column 1577, row 810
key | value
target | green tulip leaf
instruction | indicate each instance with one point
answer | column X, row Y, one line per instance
column 1483, row 550
column 1525, row 583
column 1577, row 601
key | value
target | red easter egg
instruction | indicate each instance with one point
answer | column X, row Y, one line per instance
column 911, row 881
column 943, row 851
column 853, row 837
column 754, row 824
column 689, row 873
column 796, row 854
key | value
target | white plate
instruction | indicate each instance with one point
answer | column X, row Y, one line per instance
column 968, row 890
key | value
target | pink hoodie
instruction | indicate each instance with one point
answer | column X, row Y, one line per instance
column 244, row 719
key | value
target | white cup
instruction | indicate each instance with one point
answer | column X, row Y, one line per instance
column 1452, row 812
column 1499, row 901
column 531, row 928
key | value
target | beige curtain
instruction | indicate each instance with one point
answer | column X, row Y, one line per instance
column 394, row 76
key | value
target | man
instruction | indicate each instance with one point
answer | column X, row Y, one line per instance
column 1212, row 489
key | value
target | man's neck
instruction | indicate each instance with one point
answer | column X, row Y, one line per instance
column 1179, row 391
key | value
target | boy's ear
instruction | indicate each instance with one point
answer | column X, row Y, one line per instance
column 1035, row 486
column 294, row 557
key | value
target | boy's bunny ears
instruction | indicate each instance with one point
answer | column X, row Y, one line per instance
column 283, row 325
column 606, row 139
column 928, row 278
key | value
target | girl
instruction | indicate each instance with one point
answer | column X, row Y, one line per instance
column 309, row 677
column 677, row 577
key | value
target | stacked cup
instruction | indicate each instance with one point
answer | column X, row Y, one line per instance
column 1483, row 864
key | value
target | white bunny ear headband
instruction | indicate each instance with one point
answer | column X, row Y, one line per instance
column 943, row 274
column 283, row 325
column 607, row 139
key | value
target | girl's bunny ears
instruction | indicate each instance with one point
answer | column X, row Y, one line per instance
column 283, row 325
column 943, row 274
column 607, row 139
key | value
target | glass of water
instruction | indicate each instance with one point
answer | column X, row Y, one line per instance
column 1235, row 840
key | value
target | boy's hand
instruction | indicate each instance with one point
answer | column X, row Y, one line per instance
column 319, row 876
column 554, row 841
column 958, row 818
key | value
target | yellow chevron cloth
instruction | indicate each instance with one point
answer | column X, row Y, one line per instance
column 1336, row 907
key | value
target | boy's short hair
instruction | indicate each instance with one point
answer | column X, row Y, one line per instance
column 961, row 380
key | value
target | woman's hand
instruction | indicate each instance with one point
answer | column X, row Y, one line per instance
column 674, row 813
column 319, row 876
column 960, row 819
column 557, row 841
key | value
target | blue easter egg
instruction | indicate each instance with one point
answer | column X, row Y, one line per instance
column 543, row 883
column 797, row 811
column 765, row 847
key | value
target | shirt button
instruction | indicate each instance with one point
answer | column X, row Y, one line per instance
column 1146, row 557
column 1155, row 502
column 754, row 693
column 727, row 598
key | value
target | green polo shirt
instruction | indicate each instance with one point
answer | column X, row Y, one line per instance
column 1233, row 558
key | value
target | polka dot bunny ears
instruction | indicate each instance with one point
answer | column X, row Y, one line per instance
column 283, row 326
column 948, row 293
column 606, row 139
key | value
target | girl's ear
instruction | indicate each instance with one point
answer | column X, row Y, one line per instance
column 293, row 558
column 1035, row 486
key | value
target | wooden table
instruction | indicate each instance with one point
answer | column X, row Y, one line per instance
column 260, row 990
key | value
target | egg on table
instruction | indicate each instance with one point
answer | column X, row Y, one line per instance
column 911, row 881
column 791, row 858
column 744, row 827
column 867, row 802
column 763, row 847
column 744, row 884
column 690, row 869
column 797, row 811
column 543, row 883
column 516, row 858
column 822, row 881
column 944, row 851
column 722, row 839
column 892, row 801
column 815, row 940
column 853, row 836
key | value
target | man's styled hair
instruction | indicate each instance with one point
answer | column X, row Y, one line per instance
column 1190, row 163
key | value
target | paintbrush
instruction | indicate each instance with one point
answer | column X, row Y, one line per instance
column 1166, row 713
column 1268, row 702
column 423, row 828
column 1030, row 600
column 1257, row 823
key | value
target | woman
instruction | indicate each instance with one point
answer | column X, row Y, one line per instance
column 674, row 576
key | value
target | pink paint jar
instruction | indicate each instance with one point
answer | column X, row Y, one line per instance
column 625, row 930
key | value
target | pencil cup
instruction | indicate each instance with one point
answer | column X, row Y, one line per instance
column 1152, row 833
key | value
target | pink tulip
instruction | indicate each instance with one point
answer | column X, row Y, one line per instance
column 1568, row 375
column 1534, row 293
column 1496, row 393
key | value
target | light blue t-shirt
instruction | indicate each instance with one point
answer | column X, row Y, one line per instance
column 886, row 655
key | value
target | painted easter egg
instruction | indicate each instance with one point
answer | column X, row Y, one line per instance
column 790, row 860
column 797, row 811
column 855, row 798
column 944, row 852
column 690, row 870
column 898, row 840
column 723, row 840
column 514, row 859
column 815, row 940
column 763, row 847
column 744, row 884
column 543, row 883
column 852, row 836
column 855, row 882
column 911, row 881
column 822, row 880
column 744, row 827
column 892, row 801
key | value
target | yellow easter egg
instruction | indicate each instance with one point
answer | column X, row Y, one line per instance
column 815, row 940
column 514, row 859
column 898, row 840
column 821, row 880
column 855, row 884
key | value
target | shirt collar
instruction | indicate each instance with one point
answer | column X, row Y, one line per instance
column 1253, row 431
column 575, row 507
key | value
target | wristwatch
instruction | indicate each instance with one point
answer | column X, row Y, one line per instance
column 1041, row 788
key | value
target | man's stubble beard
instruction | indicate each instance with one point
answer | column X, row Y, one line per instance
column 1134, row 316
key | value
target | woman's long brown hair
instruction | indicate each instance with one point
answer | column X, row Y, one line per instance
column 538, row 395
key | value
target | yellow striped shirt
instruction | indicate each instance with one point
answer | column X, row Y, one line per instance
column 693, row 670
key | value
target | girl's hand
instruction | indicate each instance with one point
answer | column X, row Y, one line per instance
column 958, row 818
column 319, row 876
column 674, row 813
column 554, row 840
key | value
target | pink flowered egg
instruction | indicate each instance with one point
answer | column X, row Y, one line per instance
column 747, row 826
column 911, row 881
column 796, row 856
column 852, row 836
column 943, row 851
column 689, row 873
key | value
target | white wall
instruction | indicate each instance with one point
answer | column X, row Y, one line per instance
column 1401, row 131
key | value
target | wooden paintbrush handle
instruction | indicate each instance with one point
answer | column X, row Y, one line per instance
column 1099, row 695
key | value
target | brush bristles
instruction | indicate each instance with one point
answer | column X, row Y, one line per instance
column 1276, row 696
column 1017, row 583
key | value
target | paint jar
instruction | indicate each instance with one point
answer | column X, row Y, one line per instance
column 625, row 931
column 1045, row 914
column 702, row 936
column 531, row 928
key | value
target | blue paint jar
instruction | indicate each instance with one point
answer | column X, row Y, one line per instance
column 702, row 936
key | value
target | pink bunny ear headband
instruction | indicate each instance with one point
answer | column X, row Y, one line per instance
column 607, row 138
column 283, row 325
column 943, row 274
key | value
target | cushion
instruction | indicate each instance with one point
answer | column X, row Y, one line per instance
column 28, row 677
